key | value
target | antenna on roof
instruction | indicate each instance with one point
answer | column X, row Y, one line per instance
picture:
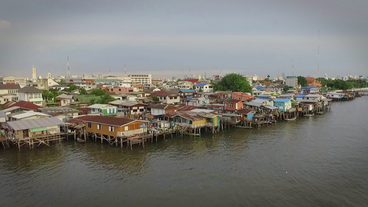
column 318, row 56
column 68, row 67
column 125, row 68
column 292, row 66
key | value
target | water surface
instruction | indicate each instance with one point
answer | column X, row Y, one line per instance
column 315, row 161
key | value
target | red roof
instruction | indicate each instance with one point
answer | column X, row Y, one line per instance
column 162, row 93
column 186, row 107
column 26, row 105
column 192, row 80
column 244, row 111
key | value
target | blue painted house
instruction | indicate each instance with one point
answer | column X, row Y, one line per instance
column 282, row 104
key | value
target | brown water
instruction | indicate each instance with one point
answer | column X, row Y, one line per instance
column 316, row 161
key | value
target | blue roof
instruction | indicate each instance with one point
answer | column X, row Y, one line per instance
column 299, row 96
column 201, row 84
column 260, row 87
column 308, row 87
column 264, row 97
column 282, row 100
column 188, row 91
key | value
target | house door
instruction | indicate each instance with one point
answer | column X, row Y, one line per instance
column 25, row 133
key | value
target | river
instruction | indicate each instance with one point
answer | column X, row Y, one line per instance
column 315, row 161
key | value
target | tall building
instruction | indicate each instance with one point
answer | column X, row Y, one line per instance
column 141, row 79
column 292, row 81
column 34, row 74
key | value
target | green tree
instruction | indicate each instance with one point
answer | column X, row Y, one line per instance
column 286, row 88
column 51, row 94
column 106, row 99
column 72, row 87
column 233, row 82
column 98, row 92
column 82, row 91
column 302, row 81
column 155, row 99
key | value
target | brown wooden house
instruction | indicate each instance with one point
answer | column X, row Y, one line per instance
column 113, row 126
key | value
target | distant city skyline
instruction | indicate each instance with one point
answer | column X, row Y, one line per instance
column 166, row 38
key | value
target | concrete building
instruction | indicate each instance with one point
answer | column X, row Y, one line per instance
column 30, row 94
column 8, row 92
column 34, row 74
column 14, row 80
column 141, row 79
column 292, row 81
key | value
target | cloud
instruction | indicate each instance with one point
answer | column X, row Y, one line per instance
column 4, row 24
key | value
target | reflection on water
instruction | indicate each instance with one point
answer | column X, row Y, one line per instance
column 314, row 161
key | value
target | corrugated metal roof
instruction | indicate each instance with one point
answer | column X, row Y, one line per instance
column 11, row 109
column 187, row 91
column 34, row 123
column 98, row 106
column 28, row 114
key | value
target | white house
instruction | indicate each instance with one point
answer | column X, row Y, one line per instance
column 65, row 100
column 30, row 94
column 167, row 98
column 204, row 87
column 185, row 85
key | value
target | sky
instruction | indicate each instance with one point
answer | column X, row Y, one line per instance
column 177, row 38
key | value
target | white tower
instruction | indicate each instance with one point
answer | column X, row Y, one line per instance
column 34, row 74
column 48, row 75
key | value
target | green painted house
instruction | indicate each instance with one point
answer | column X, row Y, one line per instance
column 103, row 109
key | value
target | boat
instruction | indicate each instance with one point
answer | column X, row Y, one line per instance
column 244, row 127
column 308, row 115
column 80, row 140
column 291, row 119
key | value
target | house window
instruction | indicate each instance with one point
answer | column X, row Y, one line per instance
column 126, row 128
column 89, row 125
column 99, row 127
column 111, row 128
column 231, row 105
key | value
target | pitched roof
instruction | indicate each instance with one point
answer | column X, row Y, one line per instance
column 9, row 86
column 28, row 114
column 201, row 84
column 64, row 96
column 98, row 106
column 29, row 89
column 124, row 103
column 115, row 121
column 159, row 106
column 162, row 93
column 57, row 110
column 26, row 105
column 35, row 123
column 185, row 107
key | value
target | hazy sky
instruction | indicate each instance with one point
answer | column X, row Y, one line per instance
column 177, row 38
